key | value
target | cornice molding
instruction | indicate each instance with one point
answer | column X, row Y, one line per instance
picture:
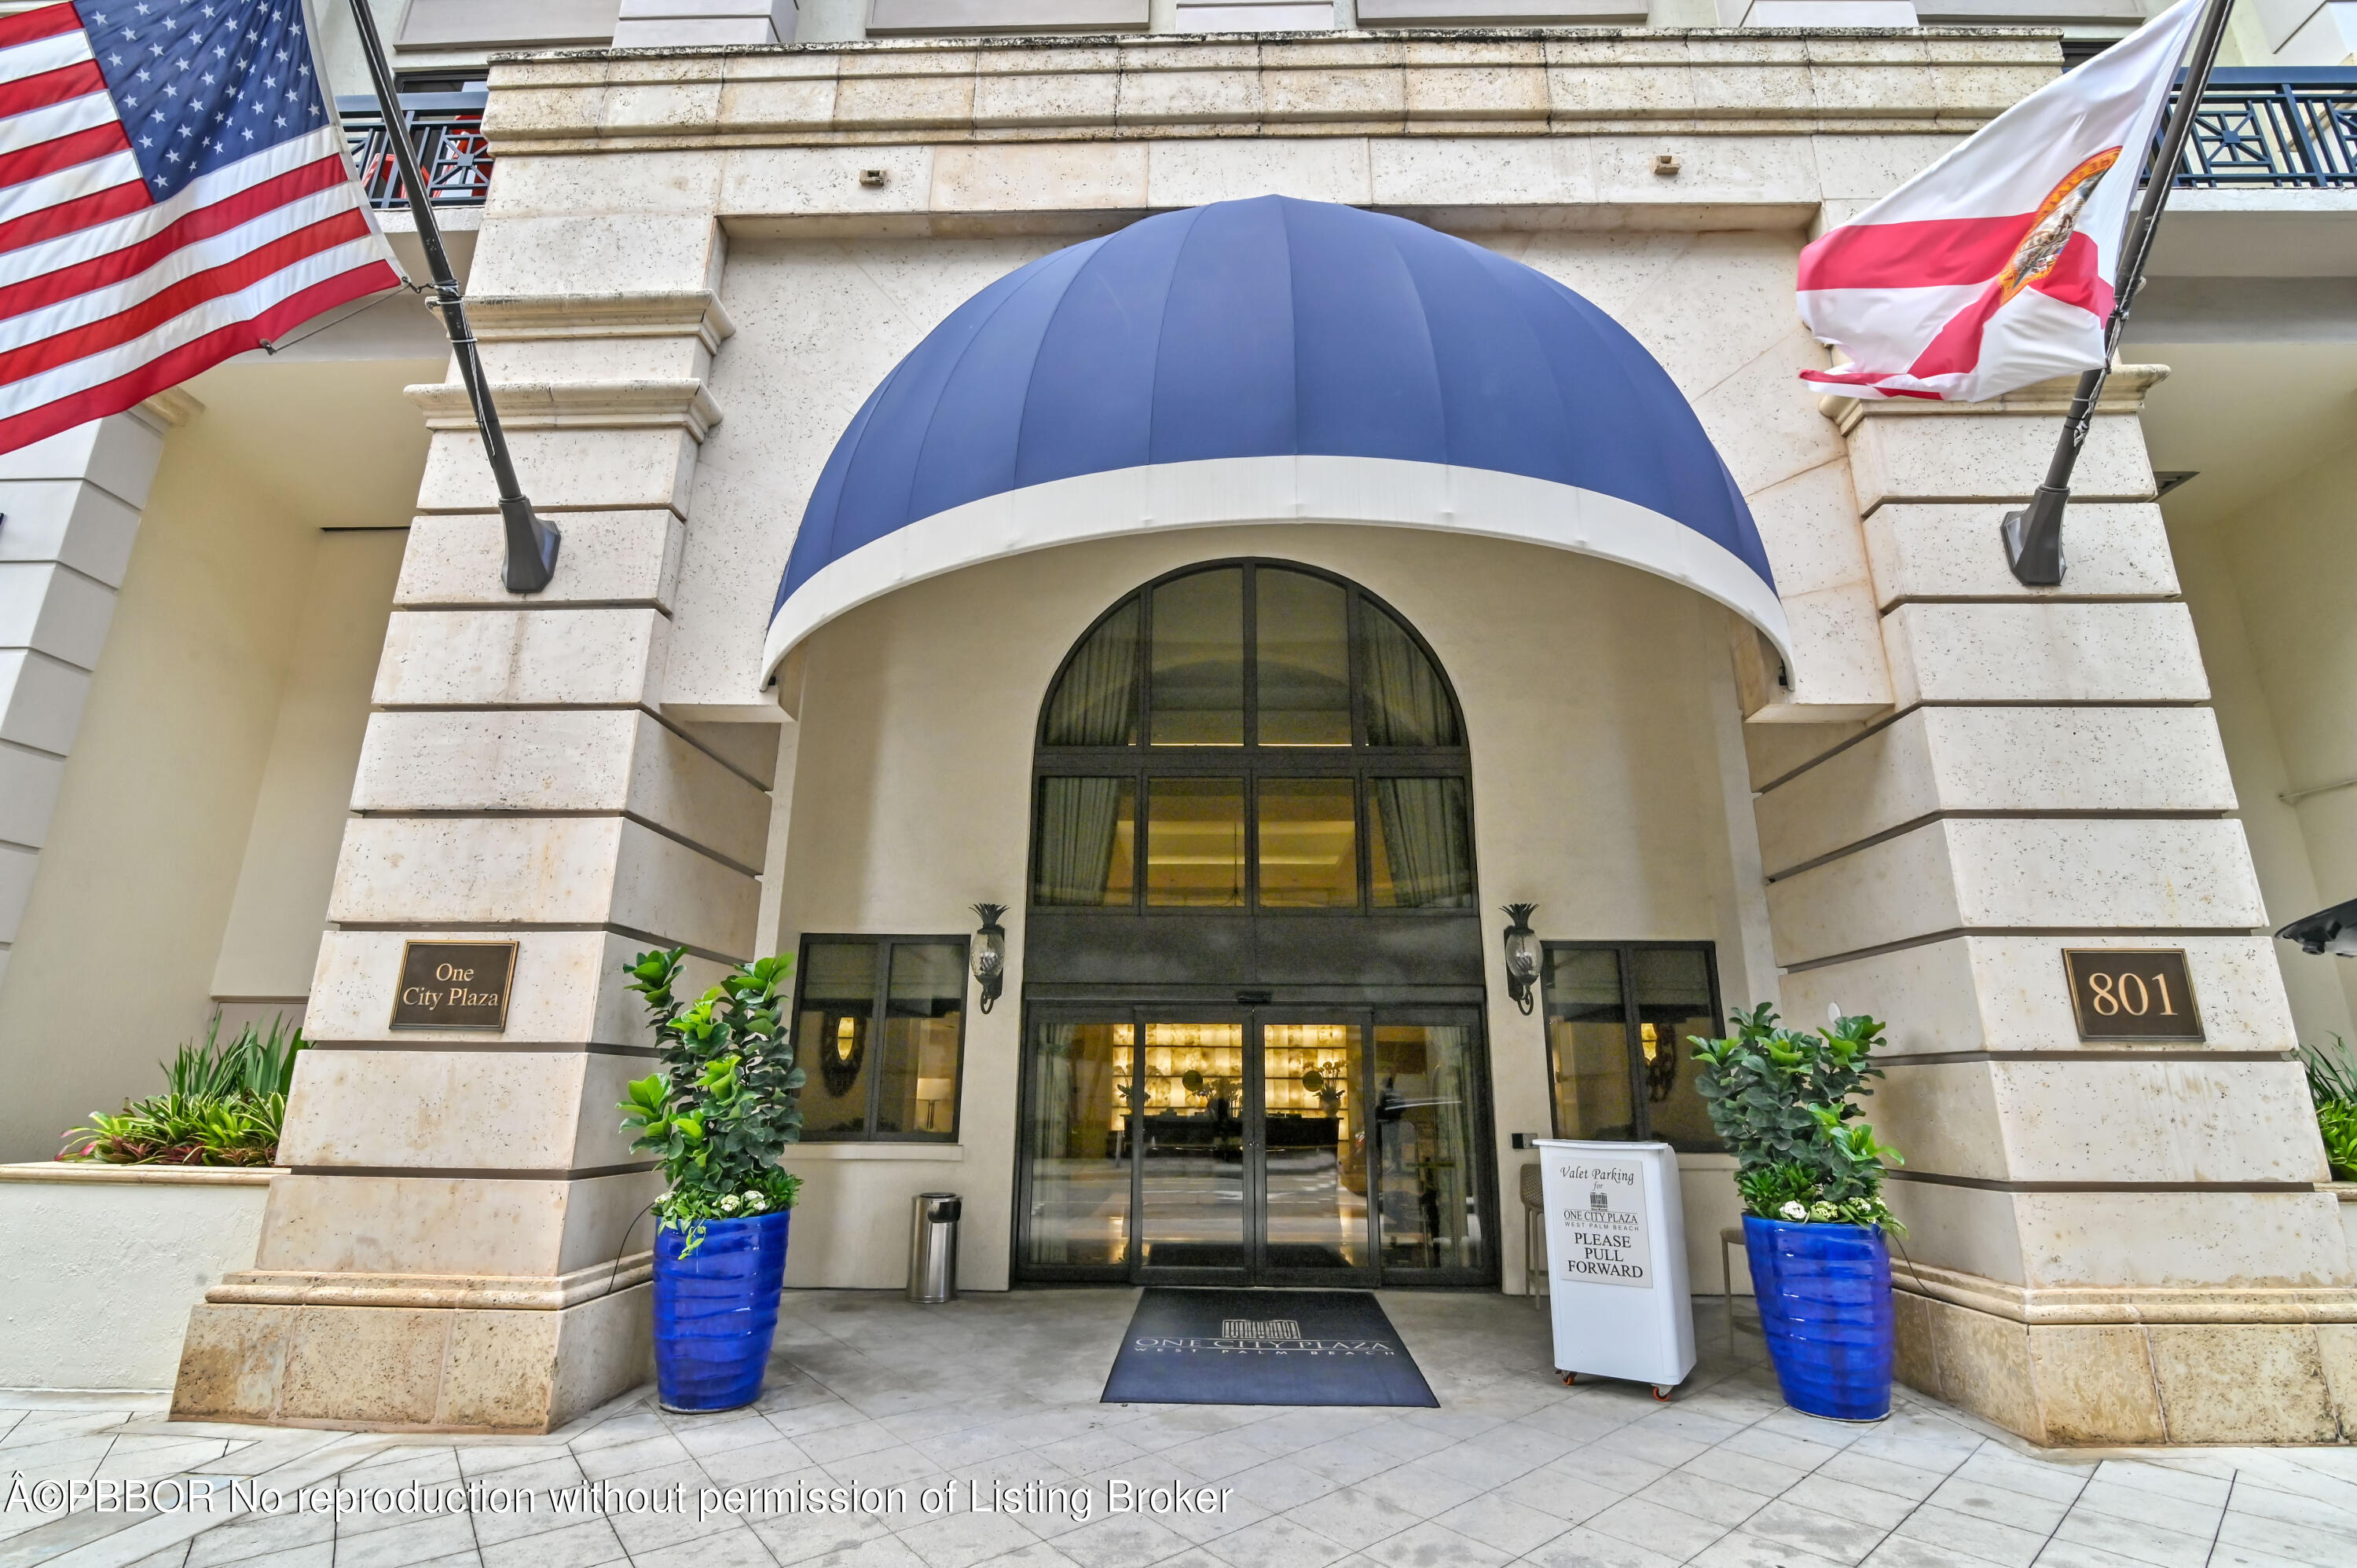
column 170, row 409
column 682, row 404
column 2124, row 392
column 272, row 1287
column 512, row 318
column 1455, row 82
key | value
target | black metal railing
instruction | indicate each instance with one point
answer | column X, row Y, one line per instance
column 2285, row 128
column 447, row 130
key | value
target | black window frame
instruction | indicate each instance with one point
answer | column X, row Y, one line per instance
column 1142, row 762
column 878, row 1013
column 1640, row 1105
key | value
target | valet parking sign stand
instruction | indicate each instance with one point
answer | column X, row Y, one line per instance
column 1617, row 1261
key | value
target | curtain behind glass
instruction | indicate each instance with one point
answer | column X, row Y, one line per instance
column 1096, row 702
column 1407, row 703
column 1080, row 823
column 1424, row 842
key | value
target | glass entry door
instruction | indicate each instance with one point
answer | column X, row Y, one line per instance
column 1255, row 1147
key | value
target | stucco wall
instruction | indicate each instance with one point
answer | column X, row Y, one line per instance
column 185, row 798
column 2268, row 588
column 1601, row 713
column 272, row 941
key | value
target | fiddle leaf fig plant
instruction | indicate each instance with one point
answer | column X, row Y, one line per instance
column 727, row 1099
column 1786, row 1104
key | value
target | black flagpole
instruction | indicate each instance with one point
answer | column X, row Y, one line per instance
column 532, row 541
column 2033, row 537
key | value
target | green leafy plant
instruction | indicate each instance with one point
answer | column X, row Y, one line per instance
column 728, row 1100
column 222, row 1105
column 2332, row 1088
column 1786, row 1104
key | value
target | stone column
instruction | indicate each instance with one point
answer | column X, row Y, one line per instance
column 460, row 1244
column 2107, row 1243
column 68, row 510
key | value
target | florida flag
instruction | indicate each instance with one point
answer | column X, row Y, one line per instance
column 1994, row 268
column 173, row 191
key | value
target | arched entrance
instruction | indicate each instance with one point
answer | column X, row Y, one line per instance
column 1252, row 961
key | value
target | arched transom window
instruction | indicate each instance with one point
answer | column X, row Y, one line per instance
column 1252, row 734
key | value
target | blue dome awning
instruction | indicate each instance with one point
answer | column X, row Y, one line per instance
column 1079, row 396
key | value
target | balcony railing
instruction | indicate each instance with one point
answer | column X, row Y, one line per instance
column 2284, row 128
column 445, row 129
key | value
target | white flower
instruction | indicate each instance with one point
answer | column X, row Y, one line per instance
column 1823, row 1213
column 729, row 1202
column 1795, row 1210
column 756, row 1202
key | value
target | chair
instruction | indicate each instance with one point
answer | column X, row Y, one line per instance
column 1728, row 1235
column 1534, row 1265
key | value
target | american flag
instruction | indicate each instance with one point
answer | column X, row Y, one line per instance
column 173, row 191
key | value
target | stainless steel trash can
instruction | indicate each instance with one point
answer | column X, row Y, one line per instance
column 933, row 1248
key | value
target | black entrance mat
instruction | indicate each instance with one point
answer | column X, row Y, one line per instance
column 1263, row 1346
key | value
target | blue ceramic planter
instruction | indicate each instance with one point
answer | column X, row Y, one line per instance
column 717, row 1312
column 1824, row 1305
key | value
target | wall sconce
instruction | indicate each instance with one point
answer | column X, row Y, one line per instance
column 990, row 954
column 1521, row 956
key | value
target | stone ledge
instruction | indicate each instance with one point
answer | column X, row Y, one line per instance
column 671, row 405
column 519, row 317
column 2091, row 1307
column 273, row 1287
column 101, row 1174
column 2124, row 392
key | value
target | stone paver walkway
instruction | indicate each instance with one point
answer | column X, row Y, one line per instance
column 871, row 1394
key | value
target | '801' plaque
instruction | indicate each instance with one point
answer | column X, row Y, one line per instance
column 2132, row 993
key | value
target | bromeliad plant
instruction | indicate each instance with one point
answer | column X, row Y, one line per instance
column 729, row 1098
column 222, row 1105
column 2332, row 1087
column 1785, row 1103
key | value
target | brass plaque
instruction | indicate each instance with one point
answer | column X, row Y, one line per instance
column 454, row 985
column 2132, row 993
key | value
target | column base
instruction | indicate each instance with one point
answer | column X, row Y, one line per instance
column 412, row 1369
column 2078, row 1367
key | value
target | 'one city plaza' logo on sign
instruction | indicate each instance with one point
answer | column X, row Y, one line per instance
column 1604, row 1236
column 1264, row 1336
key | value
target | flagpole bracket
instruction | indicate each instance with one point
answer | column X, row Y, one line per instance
column 2033, row 539
column 532, row 542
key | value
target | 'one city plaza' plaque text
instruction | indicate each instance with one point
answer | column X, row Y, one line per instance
column 454, row 985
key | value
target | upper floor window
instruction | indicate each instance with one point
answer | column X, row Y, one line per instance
column 1252, row 734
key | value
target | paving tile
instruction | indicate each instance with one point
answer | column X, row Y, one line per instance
column 242, row 1538
column 1731, row 1467
column 1601, row 1464
column 1883, row 1474
column 1812, row 1529
column 2293, row 1543
column 1562, row 1496
column 2295, row 1507
column 583, row 1545
column 1122, row 1541
column 1862, row 1504
column 1676, row 1535
column 1687, row 1492
column 1905, row 1551
column 2116, row 1500
column 797, row 1538
column 1740, row 1548
column 1275, row 1542
column 961, row 1540
column 1499, row 1522
column 419, row 1540
column 1357, row 1515
column 735, row 1547
column 2001, row 1505
column 1580, row 1547
column 1999, row 1543
column 1431, row 1545
column 1344, row 1460
column 2139, row 1543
